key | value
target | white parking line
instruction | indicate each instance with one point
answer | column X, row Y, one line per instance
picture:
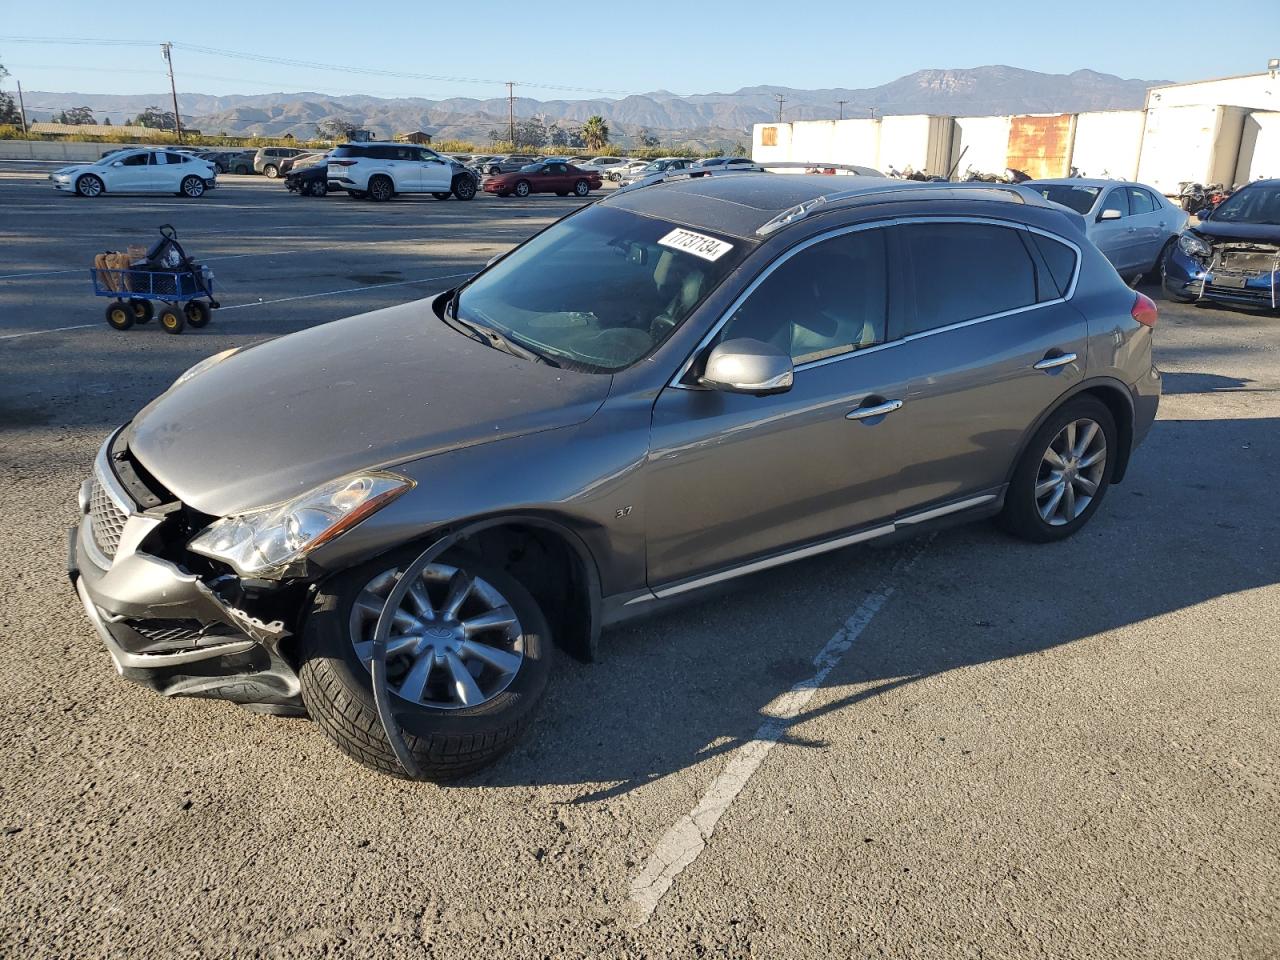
column 688, row 837
column 334, row 293
column 34, row 333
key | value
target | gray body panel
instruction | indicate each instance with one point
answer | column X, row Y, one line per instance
column 659, row 483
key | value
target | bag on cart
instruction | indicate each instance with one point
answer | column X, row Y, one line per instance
column 113, row 270
column 176, row 273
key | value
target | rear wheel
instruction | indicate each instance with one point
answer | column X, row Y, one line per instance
column 240, row 169
column 1063, row 474
column 467, row 663
column 143, row 311
column 522, row 188
column 381, row 188
column 271, row 171
column 89, row 186
column 171, row 319
column 197, row 313
column 120, row 315
column 192, row 187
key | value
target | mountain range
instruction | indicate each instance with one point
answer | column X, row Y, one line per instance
column 714, row 120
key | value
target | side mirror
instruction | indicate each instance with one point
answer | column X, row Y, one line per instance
column 748, row 366
column 118, row 163
column 1109, row 214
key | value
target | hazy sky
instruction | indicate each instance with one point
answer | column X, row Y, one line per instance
column 631, row 46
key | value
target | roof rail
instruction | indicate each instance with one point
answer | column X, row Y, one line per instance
column 685, row 174
column 822, row 203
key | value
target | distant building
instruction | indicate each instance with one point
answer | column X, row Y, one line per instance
column 416, row 136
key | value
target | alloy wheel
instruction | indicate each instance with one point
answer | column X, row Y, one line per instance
column 455, row 640
column 1071, row 472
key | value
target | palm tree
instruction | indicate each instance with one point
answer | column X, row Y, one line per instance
column 595, row 133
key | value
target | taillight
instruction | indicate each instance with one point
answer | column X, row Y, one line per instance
column 1144, row 310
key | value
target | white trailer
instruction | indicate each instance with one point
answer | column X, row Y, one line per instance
column 1191, row 143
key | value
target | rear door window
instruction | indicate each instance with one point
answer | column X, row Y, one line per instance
column 963, row 271
column 1140, row 201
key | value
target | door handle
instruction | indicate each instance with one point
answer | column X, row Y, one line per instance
column 1053, row 362
column 878, row 410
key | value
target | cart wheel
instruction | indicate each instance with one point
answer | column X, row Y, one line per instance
column 171, row 319
column 120, row 316
column 198, row 313
column 143, row 311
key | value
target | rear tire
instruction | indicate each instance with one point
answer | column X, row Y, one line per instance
column 381, row 188
column 271, row 171
column 192, row 187
column 447, row 743
column 1034, row 507
column 197, row 313
column 143, row 310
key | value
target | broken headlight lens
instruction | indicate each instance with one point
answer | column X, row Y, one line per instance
column 1193, row 246
column 265, row 542
column 204, row 365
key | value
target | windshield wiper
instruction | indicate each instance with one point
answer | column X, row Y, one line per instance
column 504, row 342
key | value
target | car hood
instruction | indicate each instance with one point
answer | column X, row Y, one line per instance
column 73, row 168
column 1225, row 230
column 368, row 391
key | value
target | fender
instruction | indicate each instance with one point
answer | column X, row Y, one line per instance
column 1112, row 385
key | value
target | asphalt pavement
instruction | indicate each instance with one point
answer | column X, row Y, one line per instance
column 961, row 746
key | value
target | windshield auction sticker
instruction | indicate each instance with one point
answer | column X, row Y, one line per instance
column 708, row 248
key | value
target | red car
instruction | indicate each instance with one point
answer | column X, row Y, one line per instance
column 546, row 176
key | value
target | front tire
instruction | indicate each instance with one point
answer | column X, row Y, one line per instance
column 464, row 188
column 381, row 188
column 90, row 186
column 1064, row 472
column 581, row 188
column 430, row 675
column 522, row 188
column 192, row 187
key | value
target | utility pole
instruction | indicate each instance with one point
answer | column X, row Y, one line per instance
column 173, row 88
column 873, row 112
column 22, row 107
column 842, row 103
column 511, row 112
column 781, row 100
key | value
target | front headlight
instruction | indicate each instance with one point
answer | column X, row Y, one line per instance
column 265, row 542
column 1193, row 246
column 204, row 365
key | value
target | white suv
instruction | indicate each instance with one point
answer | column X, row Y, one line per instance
column 381, row 170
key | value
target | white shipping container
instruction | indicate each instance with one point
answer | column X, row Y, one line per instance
column 1194, row 143
column 1108, row 143
column 771, row 141
column 980, row 144
column 918, row 141
column 1259, row 148
column 856, row 142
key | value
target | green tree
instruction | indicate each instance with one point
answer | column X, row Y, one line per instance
column 9, row 113
column 334, row 128
column 530, row 134
column 156, row 119
column 595, row 133
column 739, row 150
column 76, row 116
column 647, row 139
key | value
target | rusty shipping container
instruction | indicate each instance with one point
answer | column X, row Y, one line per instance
column 1041, row 145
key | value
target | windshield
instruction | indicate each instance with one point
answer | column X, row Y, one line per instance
column 599, row 290
column 1076, row 197
column 531, row 168
column 1252, row 204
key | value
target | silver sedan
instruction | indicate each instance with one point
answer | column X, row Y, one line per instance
column 1131, row 223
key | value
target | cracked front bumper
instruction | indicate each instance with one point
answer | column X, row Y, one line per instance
column 164, row 626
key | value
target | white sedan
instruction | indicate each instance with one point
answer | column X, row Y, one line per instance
column 139, row 171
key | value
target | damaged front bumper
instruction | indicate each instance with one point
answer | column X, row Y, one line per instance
column 1245, row 273
column 167, row 627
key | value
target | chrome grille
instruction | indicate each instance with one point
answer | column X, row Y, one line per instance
column 106, row 520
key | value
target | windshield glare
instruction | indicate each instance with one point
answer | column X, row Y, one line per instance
column 1255, row 204
column 597, row 291
column 1074, row 196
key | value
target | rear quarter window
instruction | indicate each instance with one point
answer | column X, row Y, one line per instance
column 1060, row 261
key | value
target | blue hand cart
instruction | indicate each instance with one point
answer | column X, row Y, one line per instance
column 184, row 292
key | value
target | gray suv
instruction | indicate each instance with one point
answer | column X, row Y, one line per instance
column 388, row 521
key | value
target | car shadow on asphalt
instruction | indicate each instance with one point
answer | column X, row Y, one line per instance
column 691, row 684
